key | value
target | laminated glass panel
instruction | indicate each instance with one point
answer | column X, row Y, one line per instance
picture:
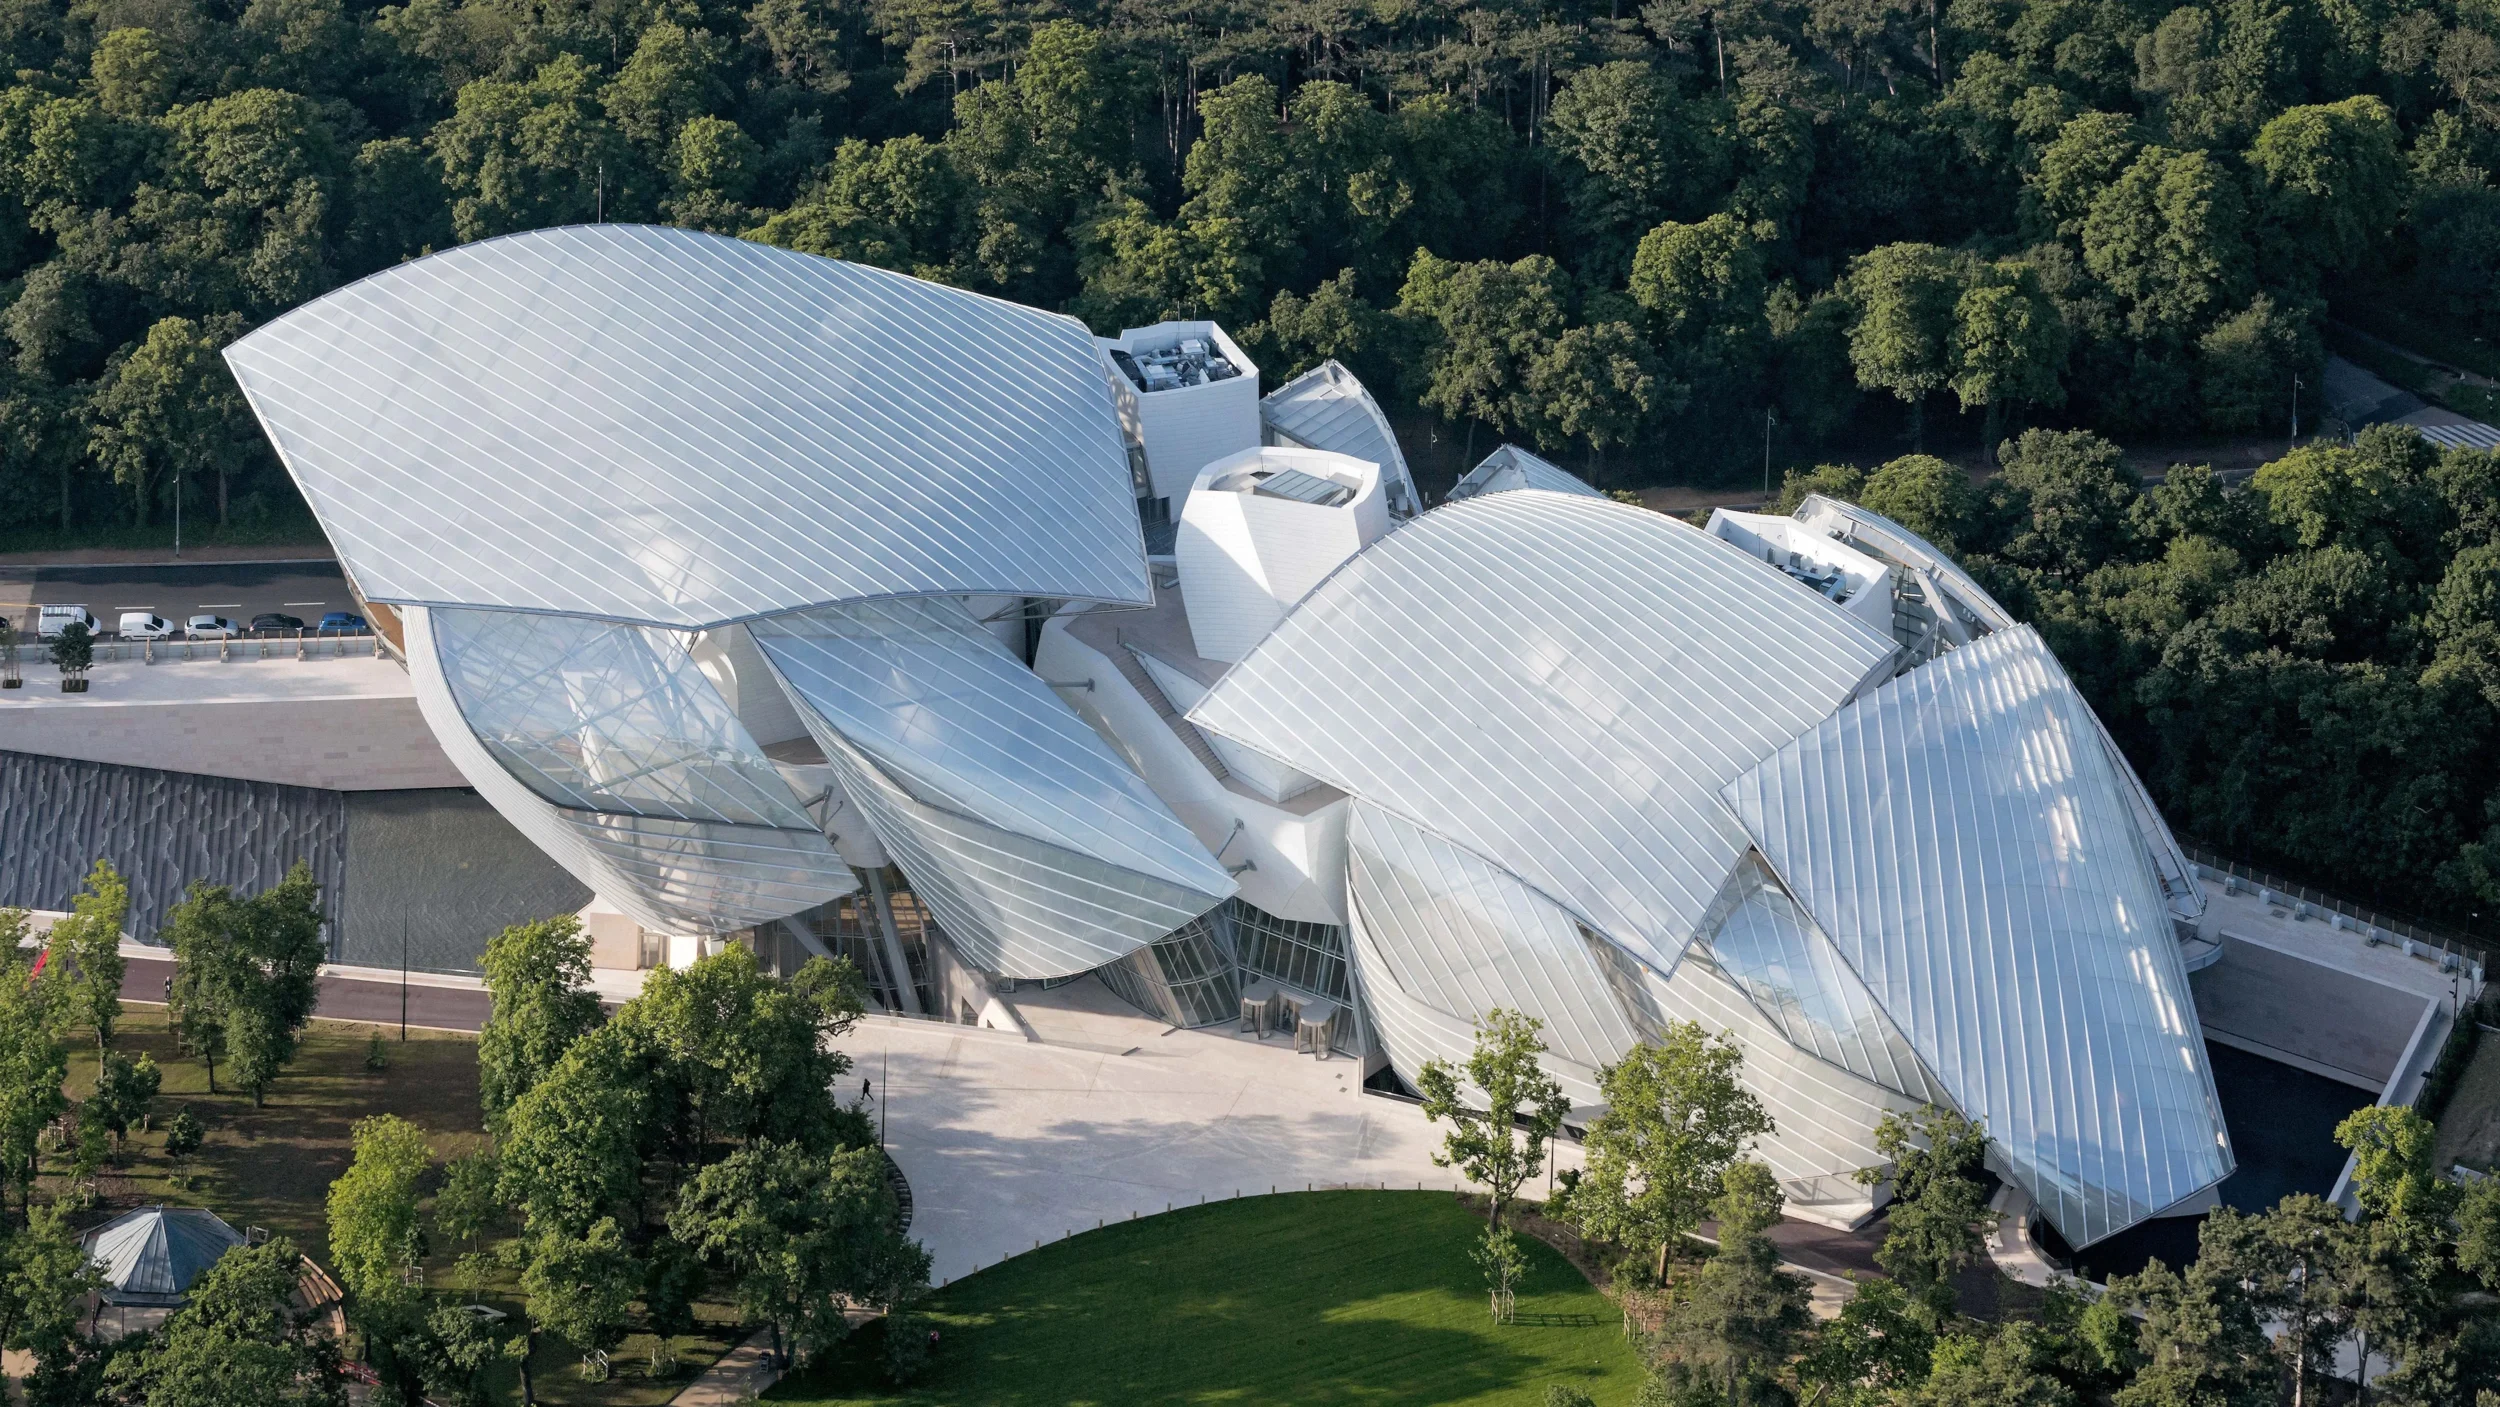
column 1463, row 937
column 1961, row 837
column 1769, row 949
column 595, row 716
column 683, row 429
column 1560, row 684
column 920, row 688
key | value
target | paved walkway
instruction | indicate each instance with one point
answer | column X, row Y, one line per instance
column 740, row 1376
column 1009, row 1142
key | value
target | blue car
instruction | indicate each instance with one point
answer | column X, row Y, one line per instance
column 342, row 623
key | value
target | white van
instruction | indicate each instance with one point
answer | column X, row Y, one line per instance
column 144, row 625
column 50, row 619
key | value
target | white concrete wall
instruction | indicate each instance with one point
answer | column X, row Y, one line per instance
column 1771, row 538
column 1189, row 427
column 729, row 658
column 1299, row 856
column 1247, row 558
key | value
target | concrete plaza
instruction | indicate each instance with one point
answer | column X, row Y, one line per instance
column 1008, row 1141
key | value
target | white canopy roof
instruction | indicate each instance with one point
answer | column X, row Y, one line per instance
column 657, row 426
column 1961, row 837
column 1455, row 674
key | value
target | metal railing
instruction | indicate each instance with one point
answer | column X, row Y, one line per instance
column 2372, row 925
column 262, row 645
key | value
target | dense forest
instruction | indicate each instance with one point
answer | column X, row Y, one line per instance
column 1633, row 237
column 1647, row 233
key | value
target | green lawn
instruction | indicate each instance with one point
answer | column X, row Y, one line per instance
column 1310, row 1299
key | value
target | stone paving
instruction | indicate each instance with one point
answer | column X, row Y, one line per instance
column 1008, row 1142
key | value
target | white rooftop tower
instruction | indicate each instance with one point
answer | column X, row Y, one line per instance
column 1264, row 526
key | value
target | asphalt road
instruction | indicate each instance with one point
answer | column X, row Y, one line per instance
column 236, row 590
column 344, row 999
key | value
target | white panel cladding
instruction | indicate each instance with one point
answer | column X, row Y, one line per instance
column 1559, row 683
column 1187, row 428
column 1264, row 775
column 1962, row 838
column 1511, row 467
column 1012, row 905
column 612, row 718
column 655, row 425
column 671, row 876
column 1328, row 408
column 922, row 689
column 1458, row 934
column 1297, row 854
column 1247, row 557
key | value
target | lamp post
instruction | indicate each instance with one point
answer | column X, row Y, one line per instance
column 2296, row 384
column 1768, row 416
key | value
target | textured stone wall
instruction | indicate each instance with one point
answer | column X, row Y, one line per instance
column 435, row 869
column 162, row 830
column 448, row 867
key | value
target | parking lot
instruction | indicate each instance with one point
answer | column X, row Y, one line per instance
column 236, row 590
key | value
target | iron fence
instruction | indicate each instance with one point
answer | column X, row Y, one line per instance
column 2372, row 924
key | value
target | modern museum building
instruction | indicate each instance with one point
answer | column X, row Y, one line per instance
column 787, row 601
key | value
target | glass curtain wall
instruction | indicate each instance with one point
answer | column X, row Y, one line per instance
column 1181, row 978
column 1310, row 956
column 848, row 928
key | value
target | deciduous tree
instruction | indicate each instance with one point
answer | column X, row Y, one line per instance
column 538, row 978
column 1677, row 1117
column 1501, row 1145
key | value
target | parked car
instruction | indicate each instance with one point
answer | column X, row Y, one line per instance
column 145, row 625
column 275, row 620
column 342, row 623
column 50, row 619
column 209, row 628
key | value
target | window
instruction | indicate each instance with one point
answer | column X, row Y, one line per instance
column 1310, row 956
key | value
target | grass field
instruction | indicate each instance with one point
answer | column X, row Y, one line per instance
column 272, row 1166
column 1312, row 1299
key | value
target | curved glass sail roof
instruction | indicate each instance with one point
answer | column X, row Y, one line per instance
column 1769, row 949
column 1511, row 467
column 1457, row 934
column 658, row 426
column 604, row 717
column 1456, row 673
column 1327, row 408
column 1011, row 904
column 938, row 703
column 1961, row 837
column 669, row 873
column 1041, row 853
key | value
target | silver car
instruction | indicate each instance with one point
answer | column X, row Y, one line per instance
column 210, row 628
